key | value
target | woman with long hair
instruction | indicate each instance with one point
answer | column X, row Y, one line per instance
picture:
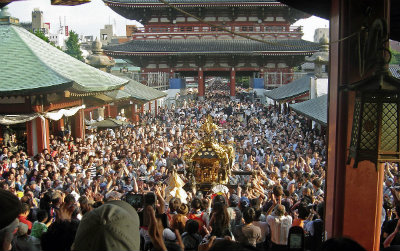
column 219, row 221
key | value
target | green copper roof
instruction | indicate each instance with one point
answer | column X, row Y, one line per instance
column 136, row 91
column 315, row 109
column 30, row 65
column 294, row 89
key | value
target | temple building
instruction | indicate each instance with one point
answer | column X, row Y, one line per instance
column 44, row 90
column 224, row 38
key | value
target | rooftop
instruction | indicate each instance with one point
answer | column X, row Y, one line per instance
column 137, row 91
column 192, row 3
column 294, row 89
column 30, row 65
column 315, row 109
column 187, row 46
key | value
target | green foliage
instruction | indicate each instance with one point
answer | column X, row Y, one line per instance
column 395, row 57
column 41, row 35
column 73, row 46
column 243, row 81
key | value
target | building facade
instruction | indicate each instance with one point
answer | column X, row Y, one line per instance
column 232, row 38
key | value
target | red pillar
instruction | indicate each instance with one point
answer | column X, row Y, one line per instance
column 107, row 111
column 233, row 83
column 79, row 125
column 353, row 195
column 135, row 116
column 29, row 138
column 60, row 125
column 37, row 135
column 155, row 107
column 201, row 86
column 149, row 103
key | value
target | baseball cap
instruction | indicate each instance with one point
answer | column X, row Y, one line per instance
column 244, row 202
column 112, row 226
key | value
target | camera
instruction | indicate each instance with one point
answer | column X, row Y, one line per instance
column 135, row 200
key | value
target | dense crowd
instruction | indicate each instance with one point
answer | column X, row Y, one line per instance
column 71, row 196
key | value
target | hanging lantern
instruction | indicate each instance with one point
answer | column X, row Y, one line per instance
column 376, row 118
column 375, row 133
column 69, row 2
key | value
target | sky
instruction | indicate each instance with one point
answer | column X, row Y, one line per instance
column 87, row 19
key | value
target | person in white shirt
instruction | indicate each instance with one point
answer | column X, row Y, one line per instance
column 279, row 224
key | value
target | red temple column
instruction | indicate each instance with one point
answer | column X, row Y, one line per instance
column 353, row 195
column 155, row 107
column 37, row 135
column 233, row 83
column 149, row 103
column 107, row 111
column 79, row 125
column 135, row 116
column 60, row 125
column 201, row 86
column 142, row 108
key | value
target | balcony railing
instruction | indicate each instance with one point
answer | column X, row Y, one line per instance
column 208, row 29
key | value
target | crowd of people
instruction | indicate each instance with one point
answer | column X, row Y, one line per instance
column 108, row 191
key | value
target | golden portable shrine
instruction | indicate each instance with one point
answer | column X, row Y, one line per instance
column 208, row 162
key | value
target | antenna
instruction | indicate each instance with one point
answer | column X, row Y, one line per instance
column 61, row 29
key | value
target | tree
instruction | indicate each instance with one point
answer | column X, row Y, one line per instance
column 73, row 46
column 41, row 35
column 395, row 57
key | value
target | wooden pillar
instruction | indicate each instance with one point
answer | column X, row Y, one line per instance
column 353, row 196
column 155, row 107
column 29, row 138
column 79, row 125
column 233, row 83
column 60, row 125
column 107, row 111
column 142, row 108
column 201, row 85
column 37, row 135
column 135, row 116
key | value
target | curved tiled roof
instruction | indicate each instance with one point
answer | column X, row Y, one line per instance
column 137, row 91
column 315, row 109
column 28, row 64
column 185, row 46
column 193, row 3
column 291, row 90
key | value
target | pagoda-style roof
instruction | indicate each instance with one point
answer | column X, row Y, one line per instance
column 136, row 91
column 196, row 47
column 191, row 3
column 29, row 65
column 294, row 89
column 316, row 109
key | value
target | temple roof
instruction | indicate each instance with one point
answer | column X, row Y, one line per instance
column 192, row 3
column 185, row 46
column 294, row 89
column 315, row 109
column 29, row 65
column 137, row 91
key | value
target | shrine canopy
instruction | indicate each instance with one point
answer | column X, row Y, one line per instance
column 29, row 66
